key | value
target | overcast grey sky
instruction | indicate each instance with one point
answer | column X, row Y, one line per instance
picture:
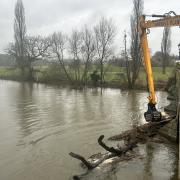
column 46, row 16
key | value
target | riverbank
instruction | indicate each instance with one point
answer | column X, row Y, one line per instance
column 171, row 130
column 114, row 78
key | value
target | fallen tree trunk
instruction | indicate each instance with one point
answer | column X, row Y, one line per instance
column 131, row 138
column 94, row 161
column 141, row 133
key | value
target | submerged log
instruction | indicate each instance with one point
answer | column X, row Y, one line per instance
column 140, row 134
column 82, row 159
column 93, row 161
column 98, row 162
column 104, row 170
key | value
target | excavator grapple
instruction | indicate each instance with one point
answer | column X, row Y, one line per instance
column 152, row 114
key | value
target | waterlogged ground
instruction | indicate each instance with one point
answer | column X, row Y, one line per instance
column 40, row 125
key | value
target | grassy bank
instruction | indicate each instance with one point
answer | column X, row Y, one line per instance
column 115, row 76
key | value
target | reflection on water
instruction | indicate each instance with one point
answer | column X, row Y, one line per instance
column 26, row 108
column 148, row 161
column 41, row 124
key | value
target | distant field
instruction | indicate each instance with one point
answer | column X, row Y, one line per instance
column 8, row 73
column 157, row 73
column 115, row 76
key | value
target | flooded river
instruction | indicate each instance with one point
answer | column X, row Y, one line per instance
column 41, row 124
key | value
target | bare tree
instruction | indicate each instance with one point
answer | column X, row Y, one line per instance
column 58, row 42
column 104, row 36
column 125, row 54
column 19, row 35
column 166, row 47
column 87, row 51
column 134, row 66
column 82, row 48
column 36, row 48
column 75, row 44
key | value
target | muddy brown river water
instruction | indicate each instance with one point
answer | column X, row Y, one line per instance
column 41, row 124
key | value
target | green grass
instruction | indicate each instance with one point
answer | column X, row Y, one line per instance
column 114, row 76
column 118, row 75
column 157, row 74
column 9, row 73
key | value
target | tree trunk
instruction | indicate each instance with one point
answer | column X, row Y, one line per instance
column 164, row 65
column 31, row 77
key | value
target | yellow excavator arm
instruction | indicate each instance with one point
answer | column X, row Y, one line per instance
column 165, row 21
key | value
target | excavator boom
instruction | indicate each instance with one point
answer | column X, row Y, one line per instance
column 165, row 21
